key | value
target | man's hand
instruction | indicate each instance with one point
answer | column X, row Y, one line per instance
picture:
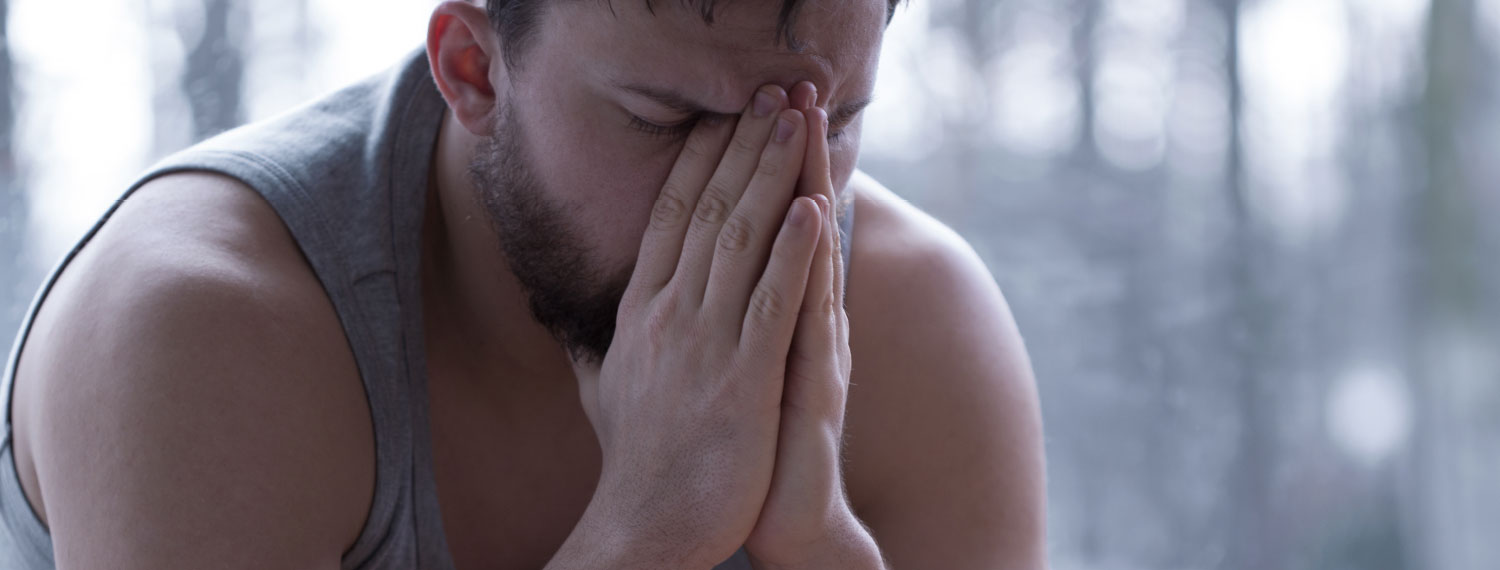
column 806, row 521
column 686, row 401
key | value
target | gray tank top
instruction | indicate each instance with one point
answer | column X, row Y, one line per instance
column 348, row 175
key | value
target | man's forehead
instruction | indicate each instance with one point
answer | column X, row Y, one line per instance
column 836, row 42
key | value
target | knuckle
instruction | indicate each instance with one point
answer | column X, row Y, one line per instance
column 736, row 235
column 820, row 308
column 660, row 322
column 631, row 303
column 822, row 395
column 799, row 362
column 770, row 167
column 695, row 150
column 670, row 210
column 745, row 146
column 658, row 329
column 712, row 207
column 766, row 303
column 828, row 306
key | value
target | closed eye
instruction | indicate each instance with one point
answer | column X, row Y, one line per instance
column 682, row 128
column 674, row 130
column 844, row 116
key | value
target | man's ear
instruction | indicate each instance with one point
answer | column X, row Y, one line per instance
column 463, row 49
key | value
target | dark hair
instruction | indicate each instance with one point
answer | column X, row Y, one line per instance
column 515, row 21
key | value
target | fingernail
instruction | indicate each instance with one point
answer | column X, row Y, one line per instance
column 799, row 214
column 765, row 103
column 823, row 206
column 785, row 128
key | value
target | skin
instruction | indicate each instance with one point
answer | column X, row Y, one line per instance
column 920, row 384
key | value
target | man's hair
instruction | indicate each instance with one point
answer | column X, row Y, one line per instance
column 516, row 21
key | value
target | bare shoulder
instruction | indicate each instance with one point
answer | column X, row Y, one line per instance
column 187, row 398
column 943, row 434
column 912, row 278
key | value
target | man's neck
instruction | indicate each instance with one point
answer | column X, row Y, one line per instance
column 473, row 303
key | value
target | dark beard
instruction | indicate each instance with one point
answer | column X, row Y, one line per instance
column 566, row 291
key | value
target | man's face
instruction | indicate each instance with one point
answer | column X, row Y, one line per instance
column 599, row 109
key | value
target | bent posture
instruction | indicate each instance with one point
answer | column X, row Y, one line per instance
column 577, row 286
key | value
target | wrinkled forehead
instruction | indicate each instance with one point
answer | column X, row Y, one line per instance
column 833, row 43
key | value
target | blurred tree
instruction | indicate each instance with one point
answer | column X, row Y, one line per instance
column 1454, row 381
column 13, row 206
column 1252, row 540
column 215, row 70
column 965, row 22
column 1085, row 155
column 7, row 104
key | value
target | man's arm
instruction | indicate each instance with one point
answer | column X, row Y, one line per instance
column 187, row 398
column 943, row 434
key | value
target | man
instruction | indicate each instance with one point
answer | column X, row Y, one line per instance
column 567, row 292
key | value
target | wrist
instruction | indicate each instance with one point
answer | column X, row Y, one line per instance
column 604, row 538
column 844, row 544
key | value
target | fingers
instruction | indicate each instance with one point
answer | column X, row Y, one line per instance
column 742, row 247
column 814, row 359
column 841, row 317
column 818, row 303
column 814, row 393
column 821, row 330
column 817, row 180
column 817, row 175
column 814, row 338
column 838, row 257
column 803, row 96
column 725, row 188
column 775, row 302
column 661, row 246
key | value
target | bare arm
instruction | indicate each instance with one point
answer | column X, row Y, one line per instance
column 188, row 400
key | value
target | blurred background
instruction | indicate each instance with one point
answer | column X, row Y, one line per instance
column 1244, row 239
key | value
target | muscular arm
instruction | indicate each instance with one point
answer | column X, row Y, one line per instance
column 943, row 435
column 187, row 399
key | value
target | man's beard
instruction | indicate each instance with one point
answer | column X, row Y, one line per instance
column 567, row 292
